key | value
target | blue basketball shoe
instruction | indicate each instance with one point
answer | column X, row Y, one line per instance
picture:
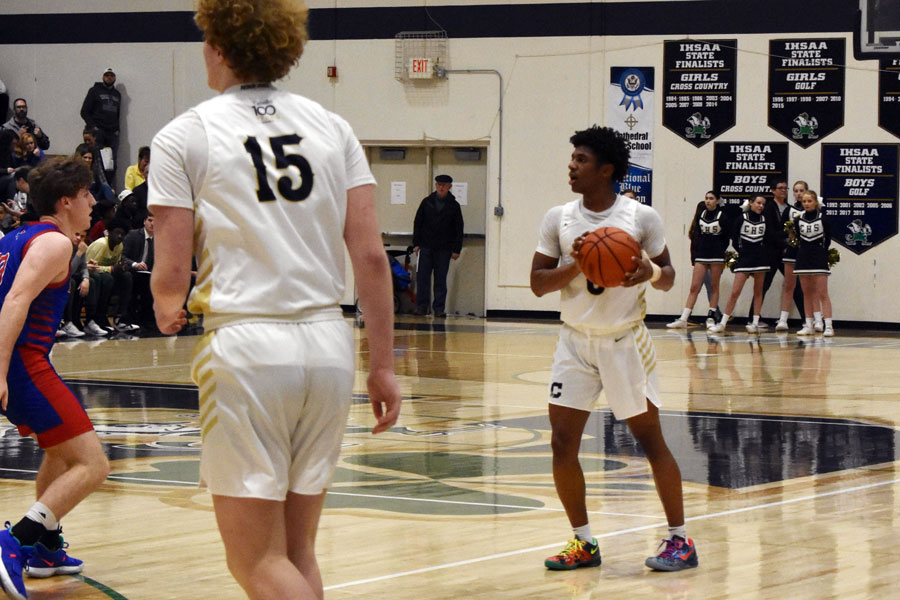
column 674, row 555
column 44, row 562
column 12, row 558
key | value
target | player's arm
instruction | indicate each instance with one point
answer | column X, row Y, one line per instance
column 547, row 275
column 171, row 277
column 373, row 280
column 46, row 262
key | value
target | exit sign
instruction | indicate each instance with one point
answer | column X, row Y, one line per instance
column 420, row 68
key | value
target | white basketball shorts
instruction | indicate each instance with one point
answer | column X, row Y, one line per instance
column 274, row 399
column 622, row 365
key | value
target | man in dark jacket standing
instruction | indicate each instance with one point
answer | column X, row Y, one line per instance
column 437, row 237
column 101, row 109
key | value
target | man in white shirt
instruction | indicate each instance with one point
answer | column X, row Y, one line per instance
column 269, row 218
column 604, row 344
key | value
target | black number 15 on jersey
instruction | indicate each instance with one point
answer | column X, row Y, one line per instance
column 283, row 161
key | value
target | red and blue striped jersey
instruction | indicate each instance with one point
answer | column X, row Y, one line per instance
column 39, row 331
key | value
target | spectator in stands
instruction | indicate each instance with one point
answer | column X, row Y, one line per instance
column 138, row 255
column 100, row 191
column 20, row 123
column 129, row 212
column 101, row 109
column 25, row 152
column 135, row 175
column 7, row 139
column 89, row 136
column 103, row 213
column 79, row 287
column 107, row 265
column 15, row 192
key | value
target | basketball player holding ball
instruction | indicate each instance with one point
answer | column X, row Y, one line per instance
column 604, row 344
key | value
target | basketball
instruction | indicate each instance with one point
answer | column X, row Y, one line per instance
column 606, row 255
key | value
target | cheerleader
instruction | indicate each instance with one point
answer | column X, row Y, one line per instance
column 789, row 258
column 814, row 236
column 709, row 237
column 750, row 240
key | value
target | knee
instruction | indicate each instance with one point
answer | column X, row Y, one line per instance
column 565, row 446
column 99, row 469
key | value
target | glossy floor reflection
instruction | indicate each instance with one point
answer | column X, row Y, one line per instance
column 788, row 448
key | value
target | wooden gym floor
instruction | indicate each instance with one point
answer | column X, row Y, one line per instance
column 788, row 449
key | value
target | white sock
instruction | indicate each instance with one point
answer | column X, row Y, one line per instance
column 828, row 323
column 817, row 316
column 725, row 319
column 583, row 533
column 43, row 515
column 809, row 322
column 756, row 319
column 784, row 316
column 686, row 314
column 679, row 531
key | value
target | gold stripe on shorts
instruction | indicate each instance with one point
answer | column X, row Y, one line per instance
column 202, row 374
column 645, row 348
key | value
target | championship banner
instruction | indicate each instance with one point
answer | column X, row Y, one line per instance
column 806, row 88
column 629, row 109
column 889, row 95
column 745, row 169
column 699, row 87
column 859, row 187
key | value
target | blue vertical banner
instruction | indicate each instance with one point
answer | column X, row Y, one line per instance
column 629, row 109
column 859, row 185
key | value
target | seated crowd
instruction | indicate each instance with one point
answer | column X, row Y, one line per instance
column 111, row 262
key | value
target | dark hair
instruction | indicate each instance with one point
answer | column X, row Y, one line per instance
column 91, row 130
column 56, row 178
column 82, row 149
column 778, row 180
column 714, row 193
column 144, row 152
column 118, row 224
column 22, row 99
column 609, row 147
column 22, row 173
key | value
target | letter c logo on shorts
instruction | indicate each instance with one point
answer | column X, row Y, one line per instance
column 555, row 389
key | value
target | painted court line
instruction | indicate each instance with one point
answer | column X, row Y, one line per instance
column 610, row 534
column 490, row 504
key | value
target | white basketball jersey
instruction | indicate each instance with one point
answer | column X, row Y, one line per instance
column 583, row 305
column 269, row 212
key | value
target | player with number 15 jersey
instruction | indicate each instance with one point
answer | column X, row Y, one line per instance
column 268, row 240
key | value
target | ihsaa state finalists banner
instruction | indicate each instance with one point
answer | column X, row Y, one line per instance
column 859, row 184
column 699, row 88
column 745, row 169
column 806, row 88
column 629, row 109
column 889, row 95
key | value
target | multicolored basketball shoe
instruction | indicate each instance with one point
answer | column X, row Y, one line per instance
column 12, row 558
column 674, row 555
column 44, row 562
column 577, row 553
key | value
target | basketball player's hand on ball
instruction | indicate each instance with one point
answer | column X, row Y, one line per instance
column 643, row 272
column 576, row 247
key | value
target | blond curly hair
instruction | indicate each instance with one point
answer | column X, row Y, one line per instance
column 260, row 39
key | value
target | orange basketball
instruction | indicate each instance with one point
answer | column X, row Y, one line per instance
column 606, row 255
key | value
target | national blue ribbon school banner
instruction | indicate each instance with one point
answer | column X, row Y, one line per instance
column 629, row 109
column 859, row 185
